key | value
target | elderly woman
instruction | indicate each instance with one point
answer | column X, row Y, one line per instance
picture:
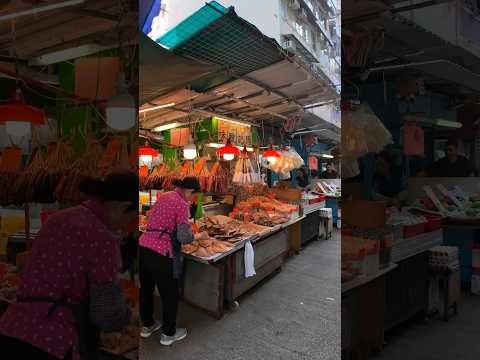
column 70, row 289
column 161, row 261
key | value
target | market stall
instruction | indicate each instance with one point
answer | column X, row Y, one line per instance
column 67, row 113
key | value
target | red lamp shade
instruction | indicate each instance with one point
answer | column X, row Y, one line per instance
column 17, row 110
column 270, row 153
column 147, row 151
column 229, row 149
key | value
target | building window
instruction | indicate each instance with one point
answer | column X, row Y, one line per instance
column 299, row 28
column 308, row 36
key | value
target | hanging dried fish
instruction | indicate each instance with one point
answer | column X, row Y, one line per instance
column 83, row 168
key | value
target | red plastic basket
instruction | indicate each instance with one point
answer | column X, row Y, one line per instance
column 433, row 223
column 413, row 230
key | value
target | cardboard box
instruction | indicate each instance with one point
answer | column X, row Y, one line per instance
column 293, row 195
column 364, row 214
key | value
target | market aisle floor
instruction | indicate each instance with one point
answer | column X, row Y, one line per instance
column 437, row 340
column 295, row 315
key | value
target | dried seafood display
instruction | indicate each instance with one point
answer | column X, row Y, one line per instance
column 245, row 172
column 244, row 192
column 268, row 204
column 83, row 168
column 156, row 177
column 23, row 187
column 202, row 173
column 207, row 247
column 219, row 180
column 222, row 228
column 42, row 176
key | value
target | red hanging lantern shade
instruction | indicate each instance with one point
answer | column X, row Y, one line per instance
column 147, row 150
column 270, row 153
column 229, row 149
column 18, row 110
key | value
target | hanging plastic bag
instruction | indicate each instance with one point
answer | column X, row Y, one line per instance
column 249, row 259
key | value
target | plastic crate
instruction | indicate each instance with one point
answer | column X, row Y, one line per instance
column 413, row 230
column 433, row 223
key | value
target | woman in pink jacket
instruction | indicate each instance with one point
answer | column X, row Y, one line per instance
column 161, row 260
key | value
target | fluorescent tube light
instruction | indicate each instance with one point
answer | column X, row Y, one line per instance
column 448, row 123
column 233, row 121
column 156, row 108
column 167, row 127
column 326, row 156
column 40, row 9
column 68, row 54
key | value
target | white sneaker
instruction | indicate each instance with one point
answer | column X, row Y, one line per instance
column 146, row 332
column 180, row 334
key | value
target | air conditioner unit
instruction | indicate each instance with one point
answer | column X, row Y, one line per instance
column 289, row 46
column 294, row 4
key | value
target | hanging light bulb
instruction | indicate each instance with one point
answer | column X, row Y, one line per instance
column 271, row 155
column 147, row 153
column 121, row 110
column 18, row 116
column 190, row 150
column 228, row 157
column 229, row 151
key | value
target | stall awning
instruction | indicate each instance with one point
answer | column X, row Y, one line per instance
column 216, row 35
column 441, row 69
column 162, row 71
column 275, row 92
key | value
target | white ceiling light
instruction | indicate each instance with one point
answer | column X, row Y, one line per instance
column 69, row 54
column 156, row 108
column 326, row 156
column 40, row 9
column 167, row 127
column 121, row 110
column 190, row 150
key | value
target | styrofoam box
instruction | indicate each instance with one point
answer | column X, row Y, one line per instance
column 476, row 284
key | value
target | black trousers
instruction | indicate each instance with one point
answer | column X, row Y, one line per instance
column 157, row 270
column 13, row 349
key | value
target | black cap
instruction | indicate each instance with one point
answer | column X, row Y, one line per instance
column 189, row 182
column 116, row 186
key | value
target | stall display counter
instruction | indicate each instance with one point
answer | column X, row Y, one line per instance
column 210, row 283
column 363, row 314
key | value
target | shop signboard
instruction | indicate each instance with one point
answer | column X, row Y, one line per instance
column 238, row 134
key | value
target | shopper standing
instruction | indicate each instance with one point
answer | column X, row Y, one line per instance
column 330, row 173
column 453, row 164
column 161, row 262
column 70, row 289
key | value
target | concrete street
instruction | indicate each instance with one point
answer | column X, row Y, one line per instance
column 295, row 315
column 438, row 340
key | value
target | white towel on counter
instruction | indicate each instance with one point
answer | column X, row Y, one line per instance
column 249, row 259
